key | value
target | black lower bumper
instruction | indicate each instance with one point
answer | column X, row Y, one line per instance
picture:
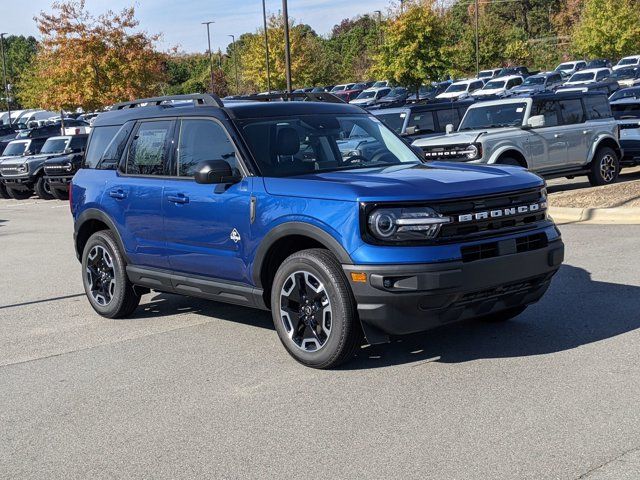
column 59, row 182
column 19, row 183
column 403, row 299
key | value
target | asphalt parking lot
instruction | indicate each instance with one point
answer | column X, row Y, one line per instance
column 193, row 389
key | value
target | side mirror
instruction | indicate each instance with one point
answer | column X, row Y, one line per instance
column 67, row 151
column 412, row 130
column 537, row 121
column 214, row 171
column 449, row 129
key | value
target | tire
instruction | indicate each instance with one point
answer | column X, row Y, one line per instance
column 42, row 188
column 104, row 277
column 510, row 161
column 19, row 194
column 312, row 282
column 504, row 315
column 3, row 192
column 60, row 194
column 605, row 167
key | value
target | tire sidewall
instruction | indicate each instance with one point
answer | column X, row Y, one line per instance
column 106, row 241
column 41, row 189
column 339, row 308
column 595, row 167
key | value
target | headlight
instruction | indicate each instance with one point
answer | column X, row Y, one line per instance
column 405, row 224
column 68, row 167
column 472, row 152
column 22, row 168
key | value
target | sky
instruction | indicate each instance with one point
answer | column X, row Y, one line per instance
column 180, row 20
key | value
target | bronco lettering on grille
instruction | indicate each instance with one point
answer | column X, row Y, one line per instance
column 503, row 212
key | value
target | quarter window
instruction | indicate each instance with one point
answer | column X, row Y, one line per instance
column 100, row 138
column 201, row 140
column 571, row 111
column 148, row 151
column 597, row 107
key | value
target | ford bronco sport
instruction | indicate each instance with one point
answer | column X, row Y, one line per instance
column 265, row 204
column 553, row 135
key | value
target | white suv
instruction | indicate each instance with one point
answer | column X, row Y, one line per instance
column 461, row 89
column 500, row 87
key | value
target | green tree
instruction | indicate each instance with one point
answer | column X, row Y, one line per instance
column 352, row 46
column 608, row 28
column 414, row 46
column 20, row 52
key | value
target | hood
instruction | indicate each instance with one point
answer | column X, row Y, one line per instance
column 491, row 91
column 452, row 94
column 31, row 158
column 415, row 182
column 528, row 88
column 362, row 101
column 60, row 159
column 451, row 139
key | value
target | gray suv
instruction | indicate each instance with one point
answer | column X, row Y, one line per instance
column 553, row 135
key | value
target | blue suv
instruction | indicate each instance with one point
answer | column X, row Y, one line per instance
column 277, row 205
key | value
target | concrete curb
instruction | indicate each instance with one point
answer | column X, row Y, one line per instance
column 621, row 215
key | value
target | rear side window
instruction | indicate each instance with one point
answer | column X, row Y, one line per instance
column 147, row 153
column 423, row 121
column 597, row 107
column 549, row 110
column 571, row 111
column 446, row 117
column 98, row 142
column 201, row 140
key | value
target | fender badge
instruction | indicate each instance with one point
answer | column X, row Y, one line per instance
column 235, row 236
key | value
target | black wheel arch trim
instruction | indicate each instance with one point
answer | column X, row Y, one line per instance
column 95, row 214
column 296, row 228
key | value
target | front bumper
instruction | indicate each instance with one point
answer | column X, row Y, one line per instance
column 19, row 183
column 59, row 181
column 403, row 299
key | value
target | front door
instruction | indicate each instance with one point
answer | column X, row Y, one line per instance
column 207, row 227
column 547, row 145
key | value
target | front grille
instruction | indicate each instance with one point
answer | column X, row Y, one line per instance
column 524, row 244
column 57, row 169
column 491, row 225
column 8, row 171
column 502, row 290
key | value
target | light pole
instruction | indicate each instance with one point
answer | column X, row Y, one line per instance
column 210, row 54
column 4, row 71
column 401, row 7
column 287, row 46
column 477, row 43
column 379, row 26
column 266, row 45
column 235, row 62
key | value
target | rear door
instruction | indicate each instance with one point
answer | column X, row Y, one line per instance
column 133, row 196
column 575, row 130
column 207, row 226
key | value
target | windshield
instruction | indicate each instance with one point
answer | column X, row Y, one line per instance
column 485, row 74
column 624, row 73
column 14, row 149
column 339, row 88
column 457, row 87
column 625, row 93
column 366, row 94
column 395, row 121
column 628, row 61
column 310, row 144
column 625, row 111
column 494, row 84
column 494, row 116
column 566, row 66
column 394, row 92
column 582, row 77
column 380, row 84
column 534, row 81
column 55, row 145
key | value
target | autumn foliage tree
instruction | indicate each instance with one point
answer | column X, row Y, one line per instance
column 90, row 61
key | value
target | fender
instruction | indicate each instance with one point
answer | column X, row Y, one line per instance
column 296, row 228
column 596, row 144
column 95, row 214
column 505, row 148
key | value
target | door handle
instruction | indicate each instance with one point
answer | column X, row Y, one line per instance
column 585, row 132
column 118, row 194
column 557, row 135
column 180, row 198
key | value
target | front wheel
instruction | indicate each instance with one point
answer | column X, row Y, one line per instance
column 43, row 189
column 19, row 194
column 104, row 276
column 3, row 192
column 60, row 194
column 314, row 311
column 605, row 167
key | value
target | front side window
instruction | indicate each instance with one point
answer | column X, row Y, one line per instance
column 307, row 144
column 423, row 121
column 571, row 111
column 201, row 140
column 395, row 121
column 446, row 117
column 494, row 116
column 549, row 109
column 148, row 151
column 78, row 144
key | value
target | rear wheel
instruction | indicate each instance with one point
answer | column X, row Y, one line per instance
column 3, row 191
column 60, row 194
column 104, row 276
column 314, row 311
column 19, row 194
column 43, row 189
column 605, row 167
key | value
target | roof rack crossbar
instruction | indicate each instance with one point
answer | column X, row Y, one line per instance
column 204, row 99
column 302, row 96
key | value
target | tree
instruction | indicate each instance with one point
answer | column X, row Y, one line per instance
column 413, row 48
column 89, row 62
column 608, row 28
column 20, row 52
column 352, row 46
column 191, row 73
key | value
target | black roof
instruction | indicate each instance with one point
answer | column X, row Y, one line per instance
column 232, row 109
column 426, row 107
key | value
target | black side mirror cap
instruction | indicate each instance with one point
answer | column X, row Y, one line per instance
column 214, row 172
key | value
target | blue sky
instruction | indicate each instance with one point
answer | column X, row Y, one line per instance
column 179, row 20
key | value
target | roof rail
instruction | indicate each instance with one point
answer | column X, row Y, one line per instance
column 204, row 99
column 284, row 97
